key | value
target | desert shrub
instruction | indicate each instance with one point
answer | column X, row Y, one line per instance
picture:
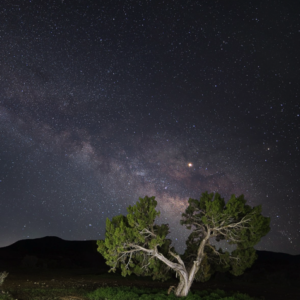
column 134, row 293
column 154, row 297
column 5, row 297
column 126, row 293
column 217, row 295
column 126, row 296
column 3, row 275
column 239, row 296
column 102, row 293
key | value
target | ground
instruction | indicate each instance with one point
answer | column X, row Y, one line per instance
column 19, row 281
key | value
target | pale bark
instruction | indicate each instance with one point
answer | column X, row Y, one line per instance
column 227, row 228
column 186, row 276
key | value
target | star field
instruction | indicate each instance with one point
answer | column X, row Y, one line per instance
column 103, row 102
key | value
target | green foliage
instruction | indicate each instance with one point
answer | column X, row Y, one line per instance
column 126, row 293
column 41, row 293
column 134, row 242
column 137, row 228
column 234, row 221
column 6, row 297
column 205, row 271
column 133, row 293
column 123, row 293
column 243, row 259
column 113, row 293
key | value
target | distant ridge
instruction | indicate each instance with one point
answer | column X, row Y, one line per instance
column 51, row 243
column 56, row 244
column 268, row 256
column 22, row 244
column 80, row 253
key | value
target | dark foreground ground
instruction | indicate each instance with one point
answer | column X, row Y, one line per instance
column 50, row 263
column 20, row 280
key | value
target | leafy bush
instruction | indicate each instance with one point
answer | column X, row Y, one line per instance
column 102, row 293
column 128, row 293
column 5, row 297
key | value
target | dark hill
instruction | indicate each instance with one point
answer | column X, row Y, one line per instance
column 52, row 252
column 270, row 268
column 56, row 244
column 267, row 256
column 51, row 244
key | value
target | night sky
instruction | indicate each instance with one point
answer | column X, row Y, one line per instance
column 103, row 102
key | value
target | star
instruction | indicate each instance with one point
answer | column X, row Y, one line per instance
column 100, row 106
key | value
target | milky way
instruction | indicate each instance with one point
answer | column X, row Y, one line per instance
column 103, row 104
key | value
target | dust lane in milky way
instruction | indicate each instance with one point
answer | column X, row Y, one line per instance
column 159, row 167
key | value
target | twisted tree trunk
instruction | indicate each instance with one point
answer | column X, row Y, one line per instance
column 187, row 277
column 186, row 280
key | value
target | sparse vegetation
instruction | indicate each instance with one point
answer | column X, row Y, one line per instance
column 43, row 294
column 127, row 293
column 118, row 293
column 3, row 275
column 114, row 289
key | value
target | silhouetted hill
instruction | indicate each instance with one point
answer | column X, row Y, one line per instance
column 267, row 256
column 50, row 244
column 52, row 252
column 53, row 244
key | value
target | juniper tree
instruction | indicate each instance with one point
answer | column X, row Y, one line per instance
column 137, row 245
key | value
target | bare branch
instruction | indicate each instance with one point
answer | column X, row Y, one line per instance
column 215, row 252
column 220, row 255
column 128, row 261
column 177, row 257
column 147, row 233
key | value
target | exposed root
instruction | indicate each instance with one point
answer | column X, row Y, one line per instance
column 171, row 288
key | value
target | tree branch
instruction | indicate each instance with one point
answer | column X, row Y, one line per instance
column 146, row 231
column 177, row 257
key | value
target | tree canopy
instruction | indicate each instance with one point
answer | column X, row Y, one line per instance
column 135, row 244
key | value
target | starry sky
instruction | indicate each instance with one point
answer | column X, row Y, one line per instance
column 103, row 102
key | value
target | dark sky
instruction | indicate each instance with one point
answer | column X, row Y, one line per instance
column 103, row 102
